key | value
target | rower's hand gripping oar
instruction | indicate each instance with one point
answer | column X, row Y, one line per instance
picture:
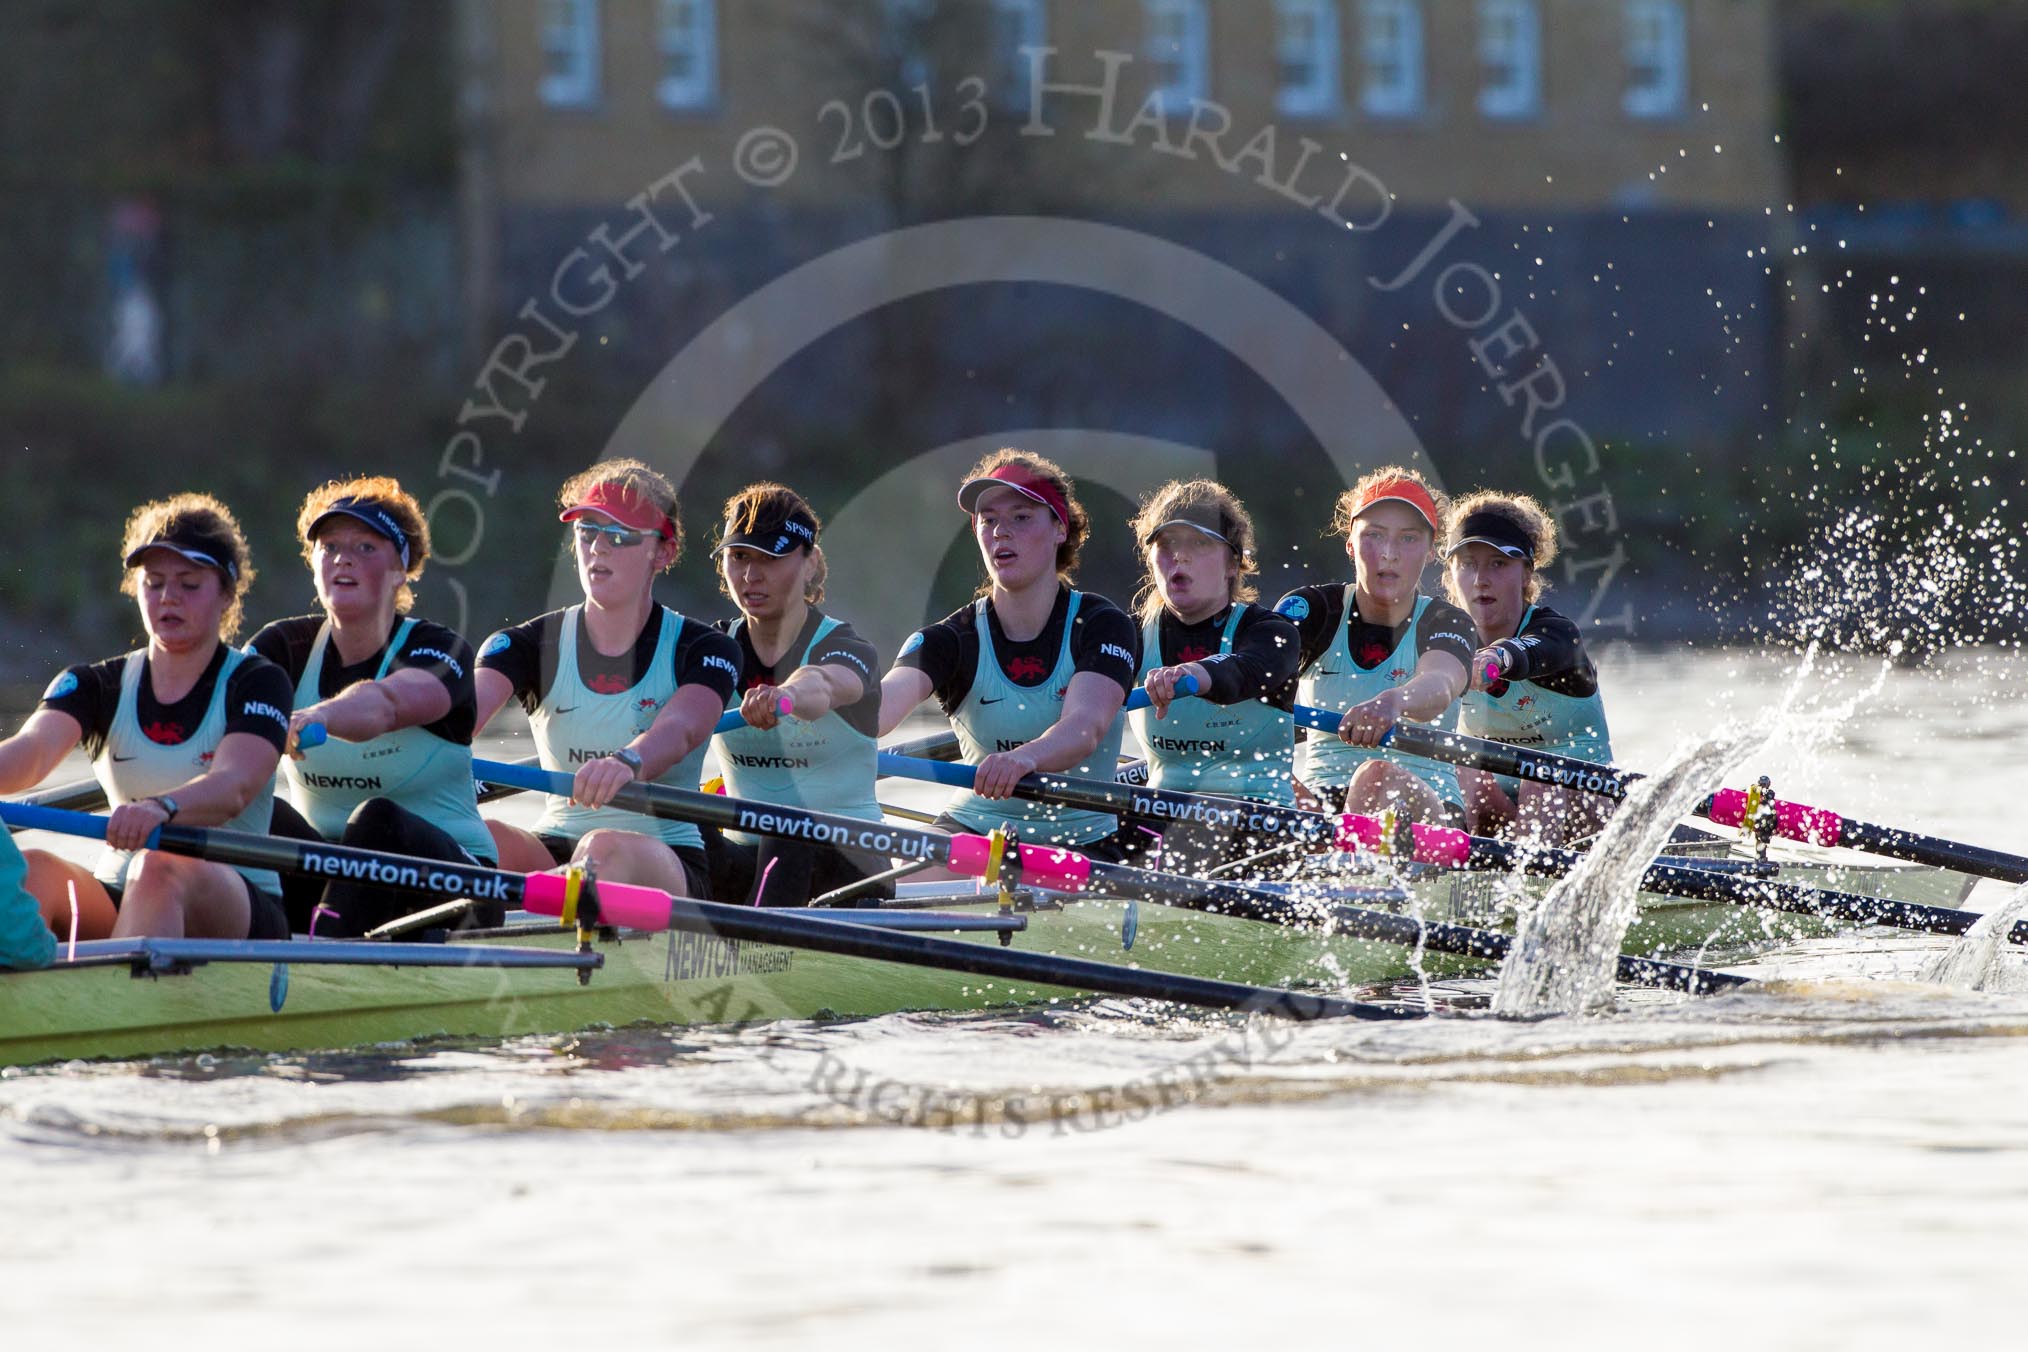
column 1726, row 807
column 589, row 903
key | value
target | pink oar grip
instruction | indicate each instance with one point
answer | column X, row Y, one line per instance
column 626, row 904
column 1058, row 870
column 1433, row 844
column 784, row 704
column 1793, row 821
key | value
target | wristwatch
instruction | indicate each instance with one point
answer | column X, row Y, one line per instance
column 630, row 758
column 170, row 807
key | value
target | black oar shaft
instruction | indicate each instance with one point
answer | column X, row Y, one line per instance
column 1678, row 880
column 1198, row 894
column 1814, row 825
column 1934, row 851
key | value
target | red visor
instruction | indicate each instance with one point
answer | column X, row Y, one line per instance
column 1022, row 481
column 623, row 505
column 1400, row 490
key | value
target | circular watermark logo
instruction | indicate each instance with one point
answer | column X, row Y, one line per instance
column 885, row 541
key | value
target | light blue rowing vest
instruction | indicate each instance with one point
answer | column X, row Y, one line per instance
column 575, row 724
column 1242, row 750
column 130, row 767
column 997, row 715
column 1335, row 682
column 826, row 765
column 1527, row 715
column 414, row 767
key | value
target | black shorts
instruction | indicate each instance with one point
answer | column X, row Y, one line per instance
column 696, row 868
column 778, row 872
column 265, row 917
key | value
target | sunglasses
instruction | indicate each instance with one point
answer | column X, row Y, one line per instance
column 619, row 537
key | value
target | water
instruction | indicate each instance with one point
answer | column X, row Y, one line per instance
column 1564, row 953
column 1836, row 1159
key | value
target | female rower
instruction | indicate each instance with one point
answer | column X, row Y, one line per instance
column 820, row 753
column 1237, row 737
column 394, row 696
column 1379, row 651
column 617, row 688
column 185, row 729
column 1544, row 693
column 1032, row 674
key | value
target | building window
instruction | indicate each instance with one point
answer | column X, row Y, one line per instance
column 570, row 53
column 1306, row 52
column 1510, row 58
column 1658, row 59
column 686, row 35
column 1179, row 49
column 1390, row 57
column 1016, row 24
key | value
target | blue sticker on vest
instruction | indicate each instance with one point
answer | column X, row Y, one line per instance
column 914, row 642
column 499, row 643
column 1295, row 607
column 61, row 686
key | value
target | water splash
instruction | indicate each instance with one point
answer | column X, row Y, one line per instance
column 1982, row 959
column 1563, row 957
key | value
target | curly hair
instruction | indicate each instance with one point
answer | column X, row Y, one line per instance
column 1525, row 513
column 206, row 514
column 1184, row 498
column 1346, row 509
column 400, row 504
column 1076, row 530
column 769, row 501
column 639, row 482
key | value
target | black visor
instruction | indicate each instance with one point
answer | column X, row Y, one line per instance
column 775, row 534
column 1497, row 530
column 199, row 546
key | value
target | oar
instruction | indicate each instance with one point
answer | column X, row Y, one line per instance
column 1068, row 871
column 1447, row 847
column 1726, row 807
column 82, row 795
column 636, row 907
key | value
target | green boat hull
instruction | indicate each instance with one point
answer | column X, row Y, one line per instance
column 110, row 1011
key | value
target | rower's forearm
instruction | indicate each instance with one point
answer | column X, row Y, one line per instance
column 812, row 691
column 1426, row 696
column 359, row 714
column 1062, row 748
column 23, row 765
column 212, row 799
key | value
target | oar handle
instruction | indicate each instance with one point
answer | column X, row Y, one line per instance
column 312, row 735
column 733, row 720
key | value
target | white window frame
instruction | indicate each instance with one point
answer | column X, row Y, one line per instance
column 1026, row 22
column 698, row 40
column 1318, row 96
column 1390, row 39
column 1510, row 44
column 1191, row 59
column 1657, row 42
column 570, row 28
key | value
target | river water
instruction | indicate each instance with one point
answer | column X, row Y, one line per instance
column 1837, row 1159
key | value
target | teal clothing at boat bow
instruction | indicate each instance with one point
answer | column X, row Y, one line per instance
column 24, row 940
